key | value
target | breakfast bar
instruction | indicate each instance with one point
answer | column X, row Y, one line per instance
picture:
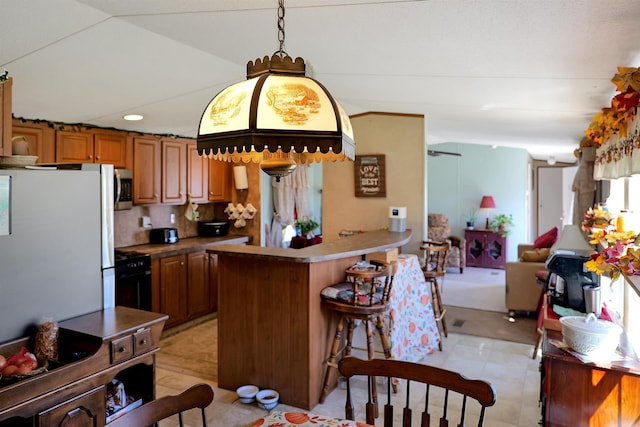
column 272, row 329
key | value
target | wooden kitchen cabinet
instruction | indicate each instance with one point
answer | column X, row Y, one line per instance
column 173, row 289
column 213, row 282
column 98, row 146
column 40, row 137
column 5, row 117
column 72, row 393
column 220, row 181
column 186, row 285
column 174, row 171
column 485, row 248
column 146, row 170
column 159, row 170
column 197, row 174
column 198, row 289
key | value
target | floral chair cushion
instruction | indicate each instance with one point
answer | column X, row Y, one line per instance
column 343, row 292
column 303, row 419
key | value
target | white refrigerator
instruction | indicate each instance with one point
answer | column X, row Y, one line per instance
column 56, row 245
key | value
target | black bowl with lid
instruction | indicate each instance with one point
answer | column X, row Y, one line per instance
column 214, row 228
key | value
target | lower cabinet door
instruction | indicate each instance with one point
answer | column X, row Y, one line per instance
column 86, row 410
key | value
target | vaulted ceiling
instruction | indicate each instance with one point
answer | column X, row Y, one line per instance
column 519, row 73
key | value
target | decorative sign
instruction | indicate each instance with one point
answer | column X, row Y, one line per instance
column 370, row 176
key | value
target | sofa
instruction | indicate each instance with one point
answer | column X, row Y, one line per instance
column 522, row 291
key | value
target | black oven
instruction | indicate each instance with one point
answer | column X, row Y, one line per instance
column 133, row 280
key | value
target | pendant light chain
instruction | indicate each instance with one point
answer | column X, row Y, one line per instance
column 281, row 52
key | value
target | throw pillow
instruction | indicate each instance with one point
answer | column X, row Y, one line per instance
column 547, row 239
column 536, row 255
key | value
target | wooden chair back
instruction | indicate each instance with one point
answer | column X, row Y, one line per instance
column 441, row 389
column 197, row 396
column 434, row 258
column 371, row 286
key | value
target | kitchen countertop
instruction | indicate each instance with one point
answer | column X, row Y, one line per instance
column 183, row 246
column 355, row 245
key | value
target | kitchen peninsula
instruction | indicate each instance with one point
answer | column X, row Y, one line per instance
column 272, row 329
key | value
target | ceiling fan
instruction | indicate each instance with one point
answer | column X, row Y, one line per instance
column 436, row 153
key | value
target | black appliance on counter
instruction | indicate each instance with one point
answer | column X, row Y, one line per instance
column 213, row 228
column 568, row 279
column 133, row 280
column 163, row 235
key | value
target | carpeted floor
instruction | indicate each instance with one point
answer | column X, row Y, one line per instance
column 479, row 288
column 491, row 324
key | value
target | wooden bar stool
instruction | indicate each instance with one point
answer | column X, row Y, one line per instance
column 363, row 296
column 434, row 269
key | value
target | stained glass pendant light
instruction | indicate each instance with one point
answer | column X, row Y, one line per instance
column 277, row 117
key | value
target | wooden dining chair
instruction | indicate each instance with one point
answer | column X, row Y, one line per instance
column 441, row 392
column 197, row 396
column 434, row 268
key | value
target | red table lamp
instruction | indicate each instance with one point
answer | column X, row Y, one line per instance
column 487, row 203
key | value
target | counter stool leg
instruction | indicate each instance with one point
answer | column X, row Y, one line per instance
column 438, row 311
column 332, row 362
column 371, row 355
column 386, row 347
column 351, row 325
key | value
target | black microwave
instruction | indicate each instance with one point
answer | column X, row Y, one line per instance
column 123, row 189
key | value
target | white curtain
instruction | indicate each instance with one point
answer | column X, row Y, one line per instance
column 289, row 195
column 619, row 156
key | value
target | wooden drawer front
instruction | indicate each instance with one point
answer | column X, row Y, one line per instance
column 121, row 349
column 142, row 341
column 86, row 410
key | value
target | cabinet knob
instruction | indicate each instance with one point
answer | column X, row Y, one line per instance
column 155, row 196
column 122, row 349
column 89, row 157
column 97, row 157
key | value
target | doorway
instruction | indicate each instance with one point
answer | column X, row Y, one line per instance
column 555, row 197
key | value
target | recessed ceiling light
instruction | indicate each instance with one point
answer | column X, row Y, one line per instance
column 133, row 117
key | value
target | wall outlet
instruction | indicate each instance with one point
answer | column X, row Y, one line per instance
column 145, row 222
column 172, row 218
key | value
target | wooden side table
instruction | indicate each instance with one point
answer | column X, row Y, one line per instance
column 579, row 394
column 485, row 248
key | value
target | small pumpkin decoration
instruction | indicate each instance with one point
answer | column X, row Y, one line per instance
column 296, row 417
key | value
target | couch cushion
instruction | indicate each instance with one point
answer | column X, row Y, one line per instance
column 536, row 255
column 547, row 239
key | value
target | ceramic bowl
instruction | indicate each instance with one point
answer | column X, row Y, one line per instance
column 247, row 393
column 589, row 335
column 267, row 399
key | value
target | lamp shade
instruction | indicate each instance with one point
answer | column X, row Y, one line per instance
column 572, row 241
column 487, row 202
column 277, row 109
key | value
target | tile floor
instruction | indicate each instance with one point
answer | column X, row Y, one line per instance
column 507, row 365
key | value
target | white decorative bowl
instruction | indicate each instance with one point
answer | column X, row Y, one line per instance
column 267, row 399
column 247, row 393
column 589, row 335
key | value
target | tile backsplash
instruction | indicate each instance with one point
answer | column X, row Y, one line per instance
column 128, row 223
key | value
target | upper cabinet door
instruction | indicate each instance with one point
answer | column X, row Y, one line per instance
column 110, row 147
column 174, row 171
column 197, row 174
column 220, row 181
column 74, row 147
column 146, row 171
column 40, row 139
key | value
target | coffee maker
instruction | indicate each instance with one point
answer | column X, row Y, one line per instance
column 569, row 279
